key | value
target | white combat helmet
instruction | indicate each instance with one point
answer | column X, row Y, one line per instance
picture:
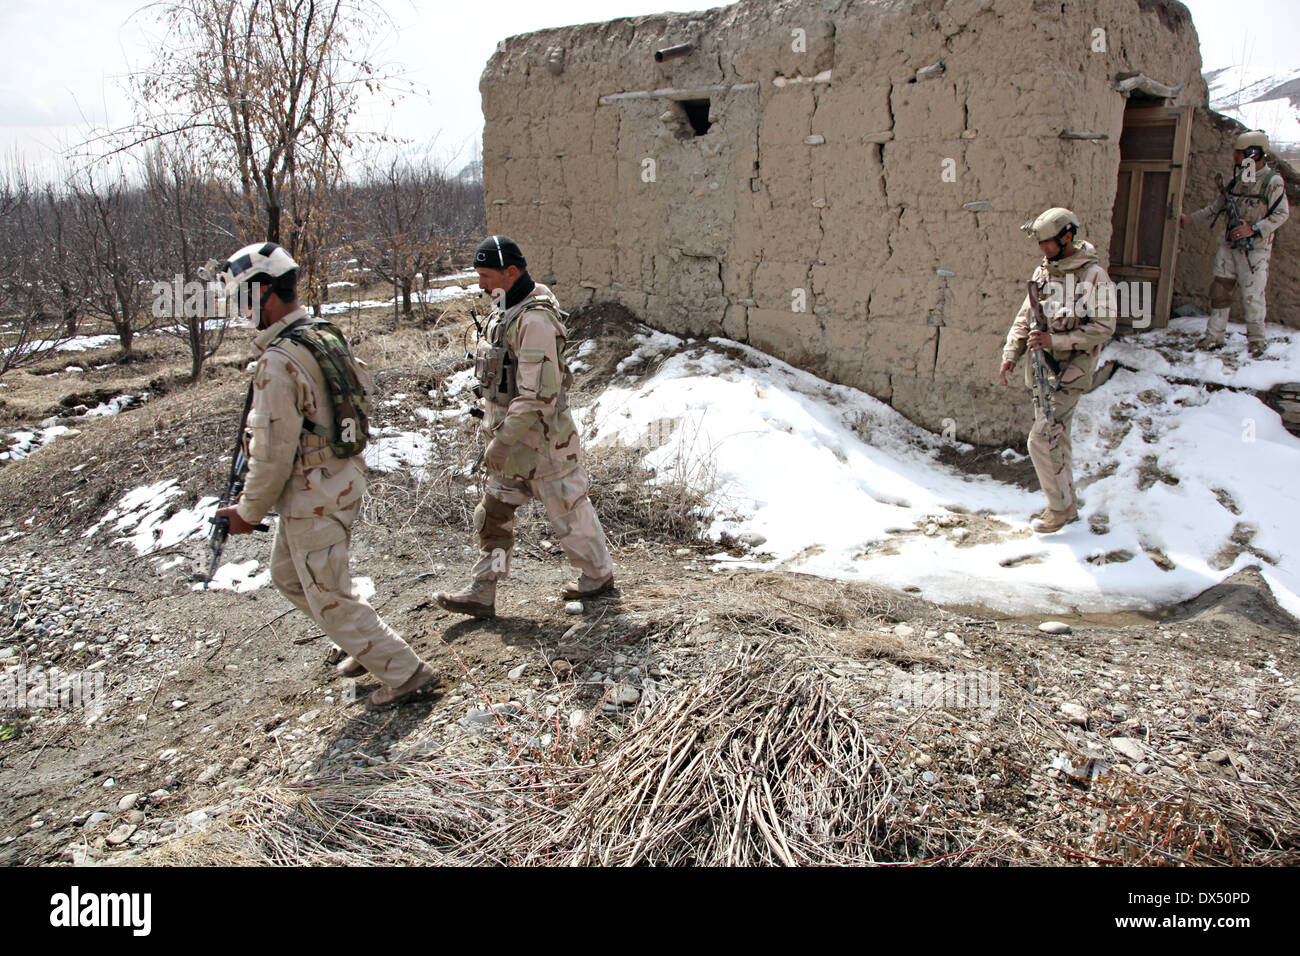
column 266, row 263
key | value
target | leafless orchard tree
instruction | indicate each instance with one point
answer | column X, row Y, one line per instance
column 405, row 219
column 114, row 240
column 35, row 296
column 267, row 87
column 191, row 217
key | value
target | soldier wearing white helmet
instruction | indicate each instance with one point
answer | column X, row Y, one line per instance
column 293, row 467
column 1244, row 247
column 1078, row 303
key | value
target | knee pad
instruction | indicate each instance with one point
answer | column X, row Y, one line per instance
column 1221, row 292
column 493, row 519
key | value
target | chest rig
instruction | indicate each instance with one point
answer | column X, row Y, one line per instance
column 1065, row 303
column 497, row 370
column 1254, row 196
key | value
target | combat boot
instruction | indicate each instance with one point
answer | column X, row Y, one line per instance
column 588, row 587
column 1050, row 520
column 350, row 667
column 389, row 696
column 1209, row 343
column 1257, row 349
column 477, row 600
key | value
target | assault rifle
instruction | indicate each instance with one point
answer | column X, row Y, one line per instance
column 1047, row 371
column 1246, row 244
column 234, row 487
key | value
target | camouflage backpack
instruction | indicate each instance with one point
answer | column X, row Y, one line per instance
column 346, row 392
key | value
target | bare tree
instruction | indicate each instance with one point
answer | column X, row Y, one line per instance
column 116, row 243
column 32, row 322
column 188, row 210
column 405, row 220
column 269, row 86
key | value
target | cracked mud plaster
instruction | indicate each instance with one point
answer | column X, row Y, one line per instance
column 822, row 171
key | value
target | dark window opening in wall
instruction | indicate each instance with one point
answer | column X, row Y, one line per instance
column 697, row 112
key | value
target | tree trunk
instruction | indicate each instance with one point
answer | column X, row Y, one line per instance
column 196, row 330
column 406, row 297
column 273, row 224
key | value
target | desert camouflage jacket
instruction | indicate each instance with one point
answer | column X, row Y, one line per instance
column 288, row 386
column 1078, row 301
column 526, row 405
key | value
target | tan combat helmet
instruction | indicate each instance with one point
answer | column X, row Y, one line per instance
column 1252, row 137
column 1052, row 223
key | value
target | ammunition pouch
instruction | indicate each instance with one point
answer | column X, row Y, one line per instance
column 313, row 449
column 495, row 371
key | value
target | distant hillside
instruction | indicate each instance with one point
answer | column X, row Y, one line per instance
column 1267, row 100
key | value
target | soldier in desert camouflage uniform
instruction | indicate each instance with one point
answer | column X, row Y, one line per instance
column 1078, row 303
column 1261, row 200
column 293, row 469
column 533, row 448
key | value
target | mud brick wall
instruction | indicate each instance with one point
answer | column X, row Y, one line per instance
column 855, row 205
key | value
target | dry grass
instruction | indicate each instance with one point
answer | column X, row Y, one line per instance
column 633, row 503
column 768, row 755
column 755, row 765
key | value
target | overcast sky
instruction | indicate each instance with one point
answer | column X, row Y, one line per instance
column 65, row 60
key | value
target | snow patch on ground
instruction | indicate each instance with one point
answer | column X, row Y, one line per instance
column 146, row 518
column 428, row 296
column 26, row 442
column 650, row 345
column 1172, row 352
column 1178, row 493
column 460, row 383
column 334, row 308
column 240, row 578
column 392, row 450
column 117, row 405
column 86, row 343
column 444, row 294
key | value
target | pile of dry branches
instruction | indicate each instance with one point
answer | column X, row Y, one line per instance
column 754, row 765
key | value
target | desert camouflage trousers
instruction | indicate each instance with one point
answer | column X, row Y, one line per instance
column 577, row 529
column 1049, row 444
column 309, row 565
column 1232, row 270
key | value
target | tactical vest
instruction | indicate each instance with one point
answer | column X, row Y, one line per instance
column 347, row 394
column 497, row 371
column 1065, row 318
column 1258, row 193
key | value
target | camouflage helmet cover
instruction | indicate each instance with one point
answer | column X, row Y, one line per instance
column 1052, row 223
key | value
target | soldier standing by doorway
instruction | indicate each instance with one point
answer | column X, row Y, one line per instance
column 1244, row 248
column 533, row 449
column 1078, row 302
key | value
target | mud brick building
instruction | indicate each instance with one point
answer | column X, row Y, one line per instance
column 841, row 182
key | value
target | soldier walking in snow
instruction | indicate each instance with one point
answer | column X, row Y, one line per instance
column 1254, row 205
column 533, row 449
column 293, row 467
column 1077, row 319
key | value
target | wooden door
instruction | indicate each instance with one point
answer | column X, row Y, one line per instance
column 1148, row 198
